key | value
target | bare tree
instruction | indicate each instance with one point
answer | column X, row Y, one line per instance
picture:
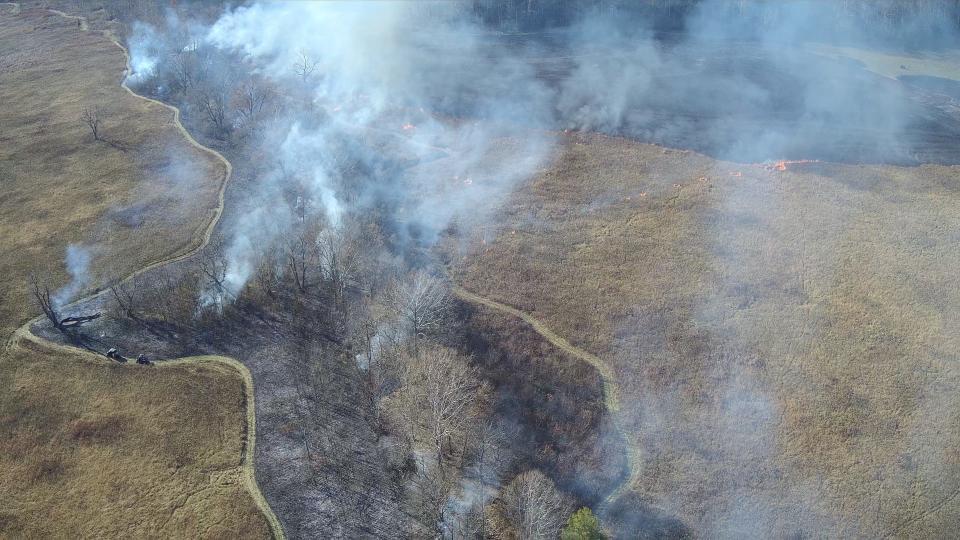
column 250, row 99
column 268, row 277
column 169, row 295
column 432, row 489
column 531, row 507
column 301, row 256
column 442, row 395
column 184, row 70
column 41, row 294
column 420, row 301
column 212, row 266
column 92, row 116
column 340, row 261
column 304, row 66
column 213, row 101
column 127, row 302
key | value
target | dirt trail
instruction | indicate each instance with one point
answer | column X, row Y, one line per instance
column 611, row 389
column 200, row 241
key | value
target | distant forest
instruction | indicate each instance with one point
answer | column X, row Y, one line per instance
column 916, row 22
column 909, row 22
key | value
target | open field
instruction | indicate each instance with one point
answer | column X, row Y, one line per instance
column 943, row 65
column 786, row 341
column 92, row 448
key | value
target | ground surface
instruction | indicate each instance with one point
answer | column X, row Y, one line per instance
column 785, row 342
column 90, row 448
column 943, row 65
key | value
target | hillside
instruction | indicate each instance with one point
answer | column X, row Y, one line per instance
column 785, row 340
column 92, row 448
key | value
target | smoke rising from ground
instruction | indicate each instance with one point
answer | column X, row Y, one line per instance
column 412, row 103
column 77, row 261
column 370, row 75
column 413, row 109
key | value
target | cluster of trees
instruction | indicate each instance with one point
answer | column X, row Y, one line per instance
column 450, row 453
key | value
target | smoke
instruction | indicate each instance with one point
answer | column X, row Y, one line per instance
column 144, row 51
column 413, row 110
column 77, row 262
column 368, row 74
column 744, row 85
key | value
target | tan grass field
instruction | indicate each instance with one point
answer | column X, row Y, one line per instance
column 786, row 342
column 91, row 448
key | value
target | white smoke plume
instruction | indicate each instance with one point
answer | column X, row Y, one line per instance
column 372, row 75
column 77, row 261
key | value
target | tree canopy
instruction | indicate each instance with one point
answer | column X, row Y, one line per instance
column 582, row 525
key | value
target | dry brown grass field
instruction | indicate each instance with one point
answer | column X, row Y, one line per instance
column 91, row 448
column 786, row 341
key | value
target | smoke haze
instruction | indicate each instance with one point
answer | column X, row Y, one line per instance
column 418, row 110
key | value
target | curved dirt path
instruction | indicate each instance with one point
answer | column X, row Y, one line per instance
column 611, row 389
column 200, row 241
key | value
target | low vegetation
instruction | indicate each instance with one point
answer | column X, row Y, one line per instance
column 785, row 340
column 90, row 448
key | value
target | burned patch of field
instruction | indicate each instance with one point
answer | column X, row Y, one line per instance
column 89, row 448
column 785, row 340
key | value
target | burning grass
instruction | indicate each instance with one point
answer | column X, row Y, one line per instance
column 89, row 448
column 786, row 339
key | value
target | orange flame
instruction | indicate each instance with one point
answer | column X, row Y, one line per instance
column 408, row 127
column 783, row 163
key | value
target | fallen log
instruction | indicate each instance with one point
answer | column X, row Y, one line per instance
column 71, row 322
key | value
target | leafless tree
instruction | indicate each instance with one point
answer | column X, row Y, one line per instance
column 169, row 295
column 92, row 116
column 340, row 259
column 213, row 101
column 304, row 66
column 421, row 302
column 532, row 507
column 443, row 394
column 212, row 266
column 300, row 253
column 268, row 277
column 184, row 70
column 432, row 488
column 125, row 297
column 250, row 99
column 41, row 294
